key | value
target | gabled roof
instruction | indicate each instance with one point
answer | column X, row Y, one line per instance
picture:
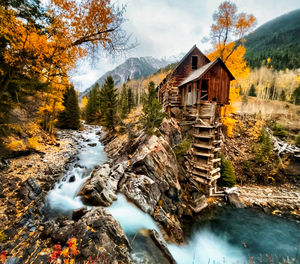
column 186, row 55
column 197, row 74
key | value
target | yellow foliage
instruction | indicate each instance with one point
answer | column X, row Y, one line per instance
column 239, row 69
column 83, row 102
column 2, row 236
column 16, row 145
column 255, row 130
column 33, row 143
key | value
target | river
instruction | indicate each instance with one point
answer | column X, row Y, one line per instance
column 231, row 236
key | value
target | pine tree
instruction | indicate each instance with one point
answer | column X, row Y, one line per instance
column 124, row 110
column 153, row 114
column 282, row 96
column 108, row 104
column 252, row 91
column 92, row 107
column 130, row 97
column 70, row 116
column 228, row 177
column 296, row 96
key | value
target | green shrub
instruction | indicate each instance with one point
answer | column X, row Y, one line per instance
column 279, row 130
column 297, row 140
column 228, row 177
column 182, row 148
column 264, row 148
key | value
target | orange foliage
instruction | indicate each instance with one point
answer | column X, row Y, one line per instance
column 228, row 23
column 66, row 255
column 51, row 52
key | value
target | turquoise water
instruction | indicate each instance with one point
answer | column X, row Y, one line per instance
column 228, row 236
column 251, row 233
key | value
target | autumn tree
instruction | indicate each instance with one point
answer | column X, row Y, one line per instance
column 229, row 25
column 49, row 50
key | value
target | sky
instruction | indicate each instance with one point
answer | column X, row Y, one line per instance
column 165, row 28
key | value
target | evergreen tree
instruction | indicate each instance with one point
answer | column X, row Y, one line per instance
column 92, row 107
column 282, row 96
column 124, row 110
column 108, row 104
column 130, row 97
column 228, row 177
column 70, row 116
column 153, row 114
column 252, row 91
column 296, row 96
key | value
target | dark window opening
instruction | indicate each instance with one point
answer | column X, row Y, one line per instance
column 204, row 90
column 190, row 89
column 194, row 62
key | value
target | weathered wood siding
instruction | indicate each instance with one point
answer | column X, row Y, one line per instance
column 169, row 94
column 218, row 84
column 185, row 68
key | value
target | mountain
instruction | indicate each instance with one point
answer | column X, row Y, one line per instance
column 132, row 68
column 278, row 39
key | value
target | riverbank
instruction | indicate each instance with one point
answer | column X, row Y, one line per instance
column 281, row 200
column 25, row 178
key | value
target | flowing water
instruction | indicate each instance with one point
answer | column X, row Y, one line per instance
column 231, row 236
column 63, row 199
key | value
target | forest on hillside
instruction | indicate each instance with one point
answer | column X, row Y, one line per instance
column 278, row 39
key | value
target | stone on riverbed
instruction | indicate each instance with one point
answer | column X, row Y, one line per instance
column 100, row 189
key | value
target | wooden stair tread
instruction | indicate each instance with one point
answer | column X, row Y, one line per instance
column 208, row 155
column 202, row 136
column 215, row 160
column 203, row 126
column 202, row 146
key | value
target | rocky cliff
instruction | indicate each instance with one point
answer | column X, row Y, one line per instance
column 144, row 168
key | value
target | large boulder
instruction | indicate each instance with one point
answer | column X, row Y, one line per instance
column 100, row 189
column 142, row 190
column 97, row 234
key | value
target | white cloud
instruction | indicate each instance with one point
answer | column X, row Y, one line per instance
column 168, row 27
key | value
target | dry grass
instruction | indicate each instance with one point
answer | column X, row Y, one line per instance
column 284, row 113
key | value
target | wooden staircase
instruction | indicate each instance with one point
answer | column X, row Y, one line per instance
column 204, row 161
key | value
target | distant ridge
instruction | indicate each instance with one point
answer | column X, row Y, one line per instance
column 278, row 39
column 132, row 68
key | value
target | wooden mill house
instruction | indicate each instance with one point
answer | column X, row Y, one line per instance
column 194, row 93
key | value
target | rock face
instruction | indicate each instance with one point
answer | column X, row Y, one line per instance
column 145, row 170
column 101, row 188
column 97, row 232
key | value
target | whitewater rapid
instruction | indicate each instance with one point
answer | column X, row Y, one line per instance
column 63, row 199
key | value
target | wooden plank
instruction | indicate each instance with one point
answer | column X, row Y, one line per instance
column 202, row 146
column 215, row 160
column 202, row 136
column 203, row 154
column 214, row 171
column 203, row 126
